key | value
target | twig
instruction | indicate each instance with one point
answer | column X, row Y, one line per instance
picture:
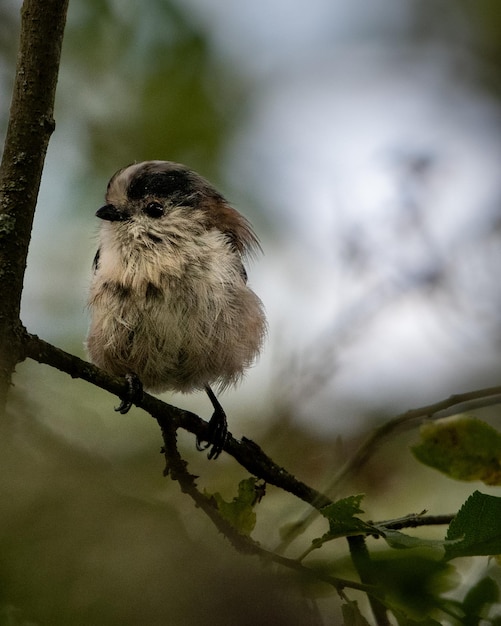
column 450, row 406
column 453, row 405
column 177, row 469
column 415, row 521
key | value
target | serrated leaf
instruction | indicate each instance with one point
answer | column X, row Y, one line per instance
column 342, row 517
column 352, row 615
column 240, row 511
column 477, row 526
column 343, row 521
column 463, row 447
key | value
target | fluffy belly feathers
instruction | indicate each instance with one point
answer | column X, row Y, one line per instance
column 176, row 337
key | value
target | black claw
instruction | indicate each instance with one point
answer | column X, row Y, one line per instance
column 217, row 431
column 133, row 394
column 216, row 436
column 201, row 446
column 123, row 407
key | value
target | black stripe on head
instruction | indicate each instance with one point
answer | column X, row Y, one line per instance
column 95, row 262
column 175, row 184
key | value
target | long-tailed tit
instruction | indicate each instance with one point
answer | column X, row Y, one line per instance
column 169, row 301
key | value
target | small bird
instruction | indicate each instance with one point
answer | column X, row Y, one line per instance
column 169, row 301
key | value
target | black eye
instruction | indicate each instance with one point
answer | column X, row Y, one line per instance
column 154, row 209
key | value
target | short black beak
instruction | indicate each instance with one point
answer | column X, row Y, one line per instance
column 111, row 214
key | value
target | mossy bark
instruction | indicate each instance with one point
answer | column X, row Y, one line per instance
column 31, row 124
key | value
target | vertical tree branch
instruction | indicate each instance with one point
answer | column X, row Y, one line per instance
column 362, row 562
column 31, row 124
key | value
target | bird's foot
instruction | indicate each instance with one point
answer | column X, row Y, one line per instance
column 217, row 433
column 216, row 436
column 133, row 394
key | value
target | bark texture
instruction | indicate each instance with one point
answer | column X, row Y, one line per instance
column 31, row 124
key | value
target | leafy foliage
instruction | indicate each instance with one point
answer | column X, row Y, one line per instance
column 399, row 540
column 343, row 521
column 477, row 526
column 240, row 511
column 463, row 447
column 413, row 583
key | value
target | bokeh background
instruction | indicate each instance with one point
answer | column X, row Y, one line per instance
column 363, row 141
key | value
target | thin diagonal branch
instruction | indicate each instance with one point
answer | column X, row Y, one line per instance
column 177, row 469
column 455, row 404
column 450, row 406
column 416, row 521
column 246, row 452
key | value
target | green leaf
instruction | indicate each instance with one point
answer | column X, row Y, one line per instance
column 478, row 598
column 240, row 511
column 352, row 615
column 463, row 447
column 399, row 540
column 412, row 583
column 477, row 526
column 343, row 521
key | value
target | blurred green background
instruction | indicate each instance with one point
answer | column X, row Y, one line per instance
column 364, row 144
